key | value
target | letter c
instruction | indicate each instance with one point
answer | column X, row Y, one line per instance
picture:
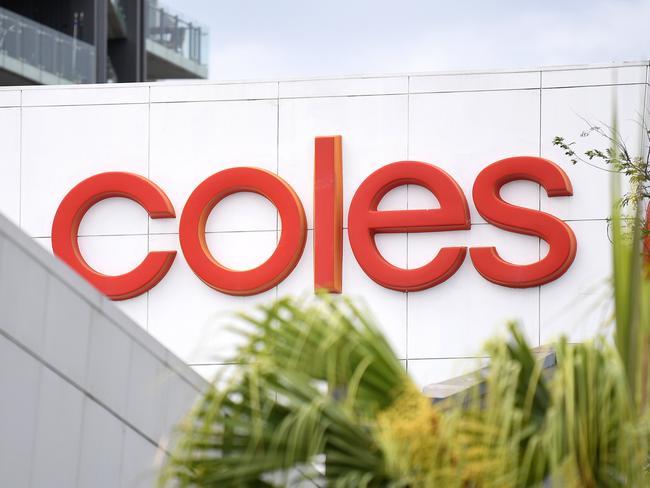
column 72, row 210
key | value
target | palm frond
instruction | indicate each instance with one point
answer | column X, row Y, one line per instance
column 313, row 376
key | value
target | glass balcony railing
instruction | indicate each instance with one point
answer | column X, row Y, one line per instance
column 116, row 19
column 119, row 6
column 177, row 34
column 37, row 46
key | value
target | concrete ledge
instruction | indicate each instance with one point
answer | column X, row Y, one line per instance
column 87, row 394
column 460, row 387
column 175, row 64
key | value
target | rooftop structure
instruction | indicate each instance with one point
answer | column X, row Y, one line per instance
column 97, row 41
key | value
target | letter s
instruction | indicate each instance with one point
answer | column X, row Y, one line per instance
column 558, row 235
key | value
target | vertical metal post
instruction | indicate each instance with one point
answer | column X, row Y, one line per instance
column 142, row 39
column 129, row 55
column 19, row 41
column 101, row 40
column 187, row 41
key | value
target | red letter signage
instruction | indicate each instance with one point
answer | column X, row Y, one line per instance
column 560, row 237
column 75, row 205
column 328, row 214
column 365, row 221
column 195, row 215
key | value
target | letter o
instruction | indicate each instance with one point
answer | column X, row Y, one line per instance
column 195, row 216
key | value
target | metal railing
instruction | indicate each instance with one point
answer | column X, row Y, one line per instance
column 46, row 49
column 120, row 10
column 119, row 6
column 177, row 34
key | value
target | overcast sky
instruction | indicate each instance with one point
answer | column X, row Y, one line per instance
column 267, row 39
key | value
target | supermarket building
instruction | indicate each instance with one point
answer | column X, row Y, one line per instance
column 75, row 362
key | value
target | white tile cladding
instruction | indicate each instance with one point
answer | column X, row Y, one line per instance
column 177, row 135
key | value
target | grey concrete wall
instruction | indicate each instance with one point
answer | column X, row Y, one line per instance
column 87, row 397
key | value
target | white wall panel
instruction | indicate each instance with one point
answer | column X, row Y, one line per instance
column 114, row 255
column 23, row 296
column 343, row 87
column 98, row 220
column 553, row 78
column 459, row 122
column 67, row 326
column 427, row 371
column 10, row 162
column 191, row 318
column 300, row 283
column 85, row 391
column 61, row 146
column 191, row 141
column 374, row 133
column 201, row 92
column 141, row 462
column 567, row 112
column 85, row 95
column 58, row 433
column 388, row 307
column 101, row 448
column 146, row 400
column 474, row 82
column 10, row 97
column 211, row 371
column 462, row 133
column 455, row 318
column 178, row 404
column 17, row 417
column 579, row 304
column 109, row 363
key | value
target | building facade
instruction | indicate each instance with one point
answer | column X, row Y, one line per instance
column 97, row 41
column 174, row 173
column 89, row 399
column 178, row 134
